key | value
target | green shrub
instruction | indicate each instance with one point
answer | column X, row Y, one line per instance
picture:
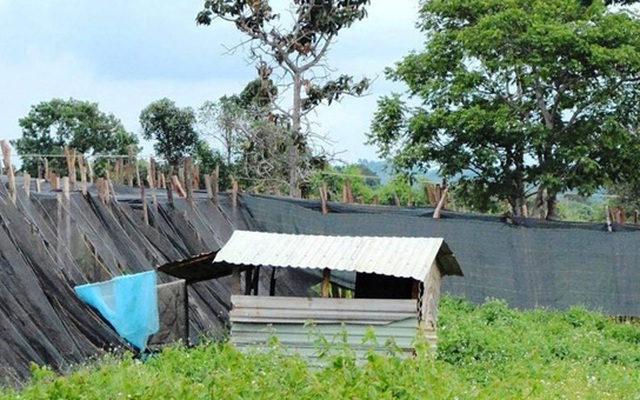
column 486, row 352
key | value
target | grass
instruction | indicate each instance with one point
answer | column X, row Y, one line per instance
column 484, row 352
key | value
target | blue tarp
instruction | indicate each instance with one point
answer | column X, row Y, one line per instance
column 129, row 303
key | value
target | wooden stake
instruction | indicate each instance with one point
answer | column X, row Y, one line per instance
column 101, row 192
column 118, row 171
column 47, row 173
column 215, row 177
column 83, row 175
column 175, row 181
column 65, row 187
column 636, row 214
column 396, row 200
column 145, row 211
column 235, row 188
column 375, row 200
column 323, row 198
column 90, row 167
column 6, row 159
column 163, row 181
column 138, row 180
column 438, row 211
column 207, row 185
column 608, row 216
column 188, row 178
column 26, row 181
column 151, row 179
column 347, row 197
column 54, row 181
column 169, row 187
column 130, row 167
column 38, row 185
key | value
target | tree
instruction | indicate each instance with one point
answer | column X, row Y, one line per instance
column 524, row 97
column 299, row 50
column 218, row 120
column 172, row 128
column 81, row 125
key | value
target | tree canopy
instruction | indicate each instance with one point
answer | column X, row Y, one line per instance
column 171, row 128
column 518, row 97
column 298, row 46
column 81, row 125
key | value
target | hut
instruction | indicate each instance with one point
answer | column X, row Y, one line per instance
column 395, row 292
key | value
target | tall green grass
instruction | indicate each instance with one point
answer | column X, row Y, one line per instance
column 485, row 352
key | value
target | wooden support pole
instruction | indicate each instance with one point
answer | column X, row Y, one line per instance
column 38, row 182
column 396, row 200
column 442, row 201
column 101, row 183
column 272, row 282
column 256, row 280
column 429, row 305
column 437, row 213
column 622, row 219
column 83, row 175
column 196, row 177
column 207, row 185
column 248, row 281
column 636, row 214
column 235, row 280
column 26, row 182
column 138, row 179
column 119, row 173
column 326, row 283
column 54, row 182
column 188, row 178
column 235, row 188
column 215, row 185
column 175, row 181
column 145, row 211
column 169, row 187
column 607, row 213
column 347, row 196
column 6, row 159
column 90, row 168
column 375, row 200
column 47, row 173
column 66, row 187
column 130, row 167
column 323, row 198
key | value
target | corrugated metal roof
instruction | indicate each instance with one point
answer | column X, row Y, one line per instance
column 407, row 257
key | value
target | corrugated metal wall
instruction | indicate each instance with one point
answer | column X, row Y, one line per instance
column 302, row 325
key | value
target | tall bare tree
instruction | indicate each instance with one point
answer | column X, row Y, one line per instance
column 297, row 45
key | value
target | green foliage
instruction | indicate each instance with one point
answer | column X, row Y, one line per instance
column 577, row 208
column 518, row 94
column 207, row 160
column 81, row 125
column 486, row 352
column 171, row 128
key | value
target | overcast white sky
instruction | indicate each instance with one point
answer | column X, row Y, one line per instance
column 124, row 54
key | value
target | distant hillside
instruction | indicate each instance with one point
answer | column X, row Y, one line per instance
column 384, row 170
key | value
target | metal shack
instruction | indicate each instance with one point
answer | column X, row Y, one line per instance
column 397, row 287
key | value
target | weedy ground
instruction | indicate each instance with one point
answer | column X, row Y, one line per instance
column 484, row 352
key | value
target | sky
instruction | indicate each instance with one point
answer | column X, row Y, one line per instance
column 124, row 54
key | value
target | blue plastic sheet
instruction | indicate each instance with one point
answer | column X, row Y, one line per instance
column 129, row 303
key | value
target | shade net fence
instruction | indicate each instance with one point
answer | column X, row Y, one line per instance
column 49, row 244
